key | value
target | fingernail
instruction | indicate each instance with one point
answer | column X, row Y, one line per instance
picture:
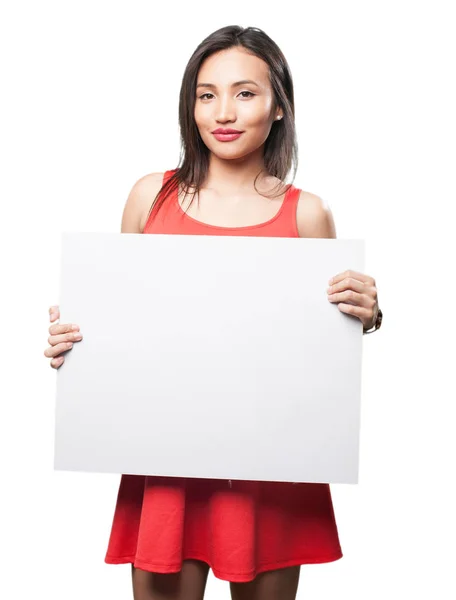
column 74, row 327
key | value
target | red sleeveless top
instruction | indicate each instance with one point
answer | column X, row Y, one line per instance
column 239, row 528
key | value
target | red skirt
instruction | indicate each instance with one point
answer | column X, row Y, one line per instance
column 239, row 528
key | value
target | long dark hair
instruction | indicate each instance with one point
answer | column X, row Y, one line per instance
column 281, row 148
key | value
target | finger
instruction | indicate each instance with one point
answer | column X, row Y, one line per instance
column 348, row 283
column 62, row 328
column 54, row 351
column 73, row 336
column 351, row 297
column 356, row 311
column 57, row 362
column 54, row 313
column 354, row 275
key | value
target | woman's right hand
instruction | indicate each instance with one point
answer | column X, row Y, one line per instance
column 61, row 338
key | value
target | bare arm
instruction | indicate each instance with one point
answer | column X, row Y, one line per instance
column 139, row 201
column 314, row 217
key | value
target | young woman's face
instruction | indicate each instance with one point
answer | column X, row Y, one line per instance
column 234, row 92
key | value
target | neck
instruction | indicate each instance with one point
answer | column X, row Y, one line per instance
column 237, row 175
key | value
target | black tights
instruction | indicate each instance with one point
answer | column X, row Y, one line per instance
column 190, row 584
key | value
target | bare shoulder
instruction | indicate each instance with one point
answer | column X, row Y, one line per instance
column 314, row 217
column 139, row 202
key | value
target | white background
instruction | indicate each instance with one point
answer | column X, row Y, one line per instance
column 89, row 105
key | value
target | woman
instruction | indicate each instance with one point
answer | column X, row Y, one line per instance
column 236, row 116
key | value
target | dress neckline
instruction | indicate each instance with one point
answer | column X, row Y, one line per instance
column 286, row 197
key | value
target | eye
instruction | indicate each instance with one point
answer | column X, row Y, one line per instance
column 204, row 96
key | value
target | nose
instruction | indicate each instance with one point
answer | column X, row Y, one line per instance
column 225, row 110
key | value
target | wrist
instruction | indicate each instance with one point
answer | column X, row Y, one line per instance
column 376, row 324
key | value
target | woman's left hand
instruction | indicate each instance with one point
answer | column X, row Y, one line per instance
column 356, row 295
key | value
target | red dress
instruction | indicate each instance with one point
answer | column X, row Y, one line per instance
column 239, row 528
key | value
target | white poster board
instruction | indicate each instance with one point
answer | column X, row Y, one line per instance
column 209, row 356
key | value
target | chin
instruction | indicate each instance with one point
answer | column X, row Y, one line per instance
column 229, row 151
column 231, row 155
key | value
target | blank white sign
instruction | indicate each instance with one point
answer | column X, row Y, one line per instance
column 209, row 356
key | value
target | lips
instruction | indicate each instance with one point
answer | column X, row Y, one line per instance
column 226, row 135
column 225, row 131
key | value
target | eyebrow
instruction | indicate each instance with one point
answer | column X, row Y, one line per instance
column 242, row 82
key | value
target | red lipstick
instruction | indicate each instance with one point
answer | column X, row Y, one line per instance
column 226, row 134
